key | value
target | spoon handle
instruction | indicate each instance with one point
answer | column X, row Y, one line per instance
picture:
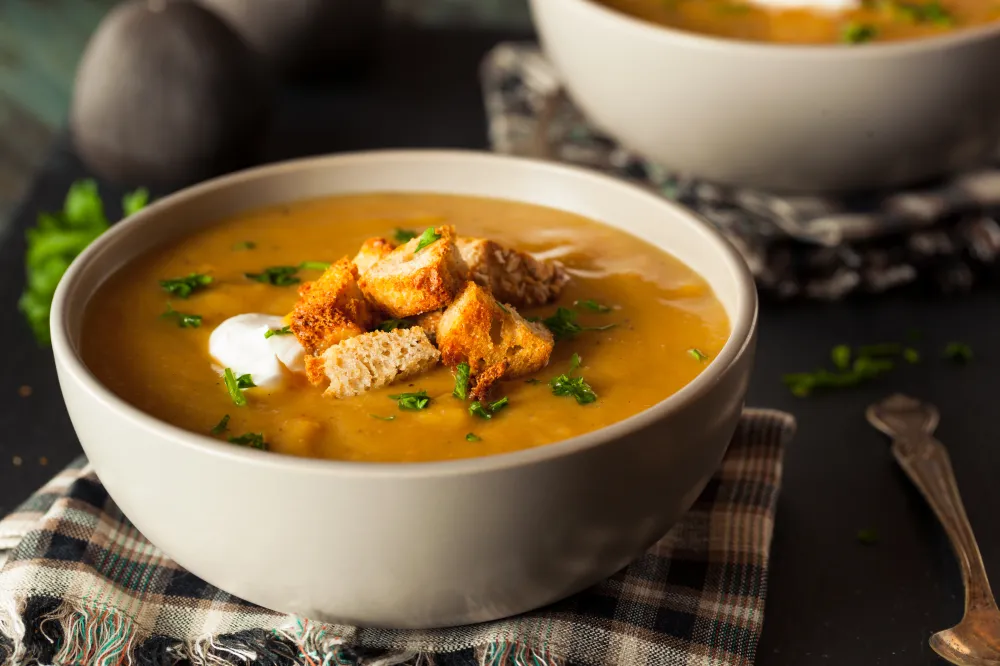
column 925, row 460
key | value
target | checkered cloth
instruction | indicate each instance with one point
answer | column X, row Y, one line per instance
column 944, row 235
column 80, row 585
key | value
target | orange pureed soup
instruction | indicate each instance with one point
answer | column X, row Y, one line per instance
column 661, row 325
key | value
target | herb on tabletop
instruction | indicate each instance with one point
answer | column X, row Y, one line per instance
column 412, row 401
column 573, row 386
column 254, row 440
column 489, row 409
column 429, row 237
column 462, row 372
column 184, row 319
column 183, row 287
column 55, row 240
column 277, row 276
column 271, row 332
column 222, row 426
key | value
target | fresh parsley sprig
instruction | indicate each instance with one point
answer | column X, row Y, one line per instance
column 236, row 385
column 429, row 237
column 564, row 326
column 276, row 276
column 573, row 386
column 462, row 372
column 183, row 287
column 271, row 332
column 255, row 440
column 183, row 319
column 412, row 402
column 489, row 409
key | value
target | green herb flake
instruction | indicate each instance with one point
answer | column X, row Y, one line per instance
column 222, row 426
column 841, row 357
column 472, row 437
column 429, row 237
column 911, row 355
column 564, row 327
column 255, row 440
column 245, row 382
column 462, row 371
column 412, row 401
column 277, row 276
column 271, row 332
column 488, row 410
column 958, row 352
column 404, row 235
column 53, row 243
column 393, row 324
column 245, row 245
column 697, row 354
column 382, row 418
column 574, row 386
column 135, row 201
column 183, row 319
column 503, row 307
column 232, row 385
column 858, row 33
column 183, row 287
column 314, row 265
column 533, row 380
column 867, row 537
column 592, row 305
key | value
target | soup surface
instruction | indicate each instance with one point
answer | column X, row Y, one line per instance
column 667, row 325
column 813, row 22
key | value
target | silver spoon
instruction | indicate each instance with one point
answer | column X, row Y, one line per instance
column 975, row 641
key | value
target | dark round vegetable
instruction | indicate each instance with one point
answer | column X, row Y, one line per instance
column 167, row 92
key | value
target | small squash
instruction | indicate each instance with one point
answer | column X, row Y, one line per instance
column 167, row 93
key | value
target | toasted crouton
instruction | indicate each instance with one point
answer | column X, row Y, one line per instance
column 496, row 341
column 407, row 282
column 330, row 309
column 371, row 251
column 371, row 361
column 513, row 277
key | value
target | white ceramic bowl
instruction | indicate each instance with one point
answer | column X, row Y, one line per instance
column 411, row 545
column 794, row 118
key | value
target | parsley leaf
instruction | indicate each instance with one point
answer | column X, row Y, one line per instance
column 382, row 418
column 412, row 401
column 697, row 354
column 233, row 386
column 858, row 33
column 576, row 387
column 841, row 357
column 135, row 201
column 472, row 437
column 461, row 381
column 278, row 276
column 222, row 426
column 533, row 380
column 53, row 243
column 404, row 235
column 314, row 265
column 911, row 355
column 488, row 410
column 592, row 305
column 271, row 332
column 183, row 287
column 958, row 352
column 393, row 324
column 245, row 245
column 245, row 382
column 564, row 327
column 184, row 320
column 254, row 440
column 429, row 237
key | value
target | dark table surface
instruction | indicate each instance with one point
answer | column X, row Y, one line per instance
column 831, row 600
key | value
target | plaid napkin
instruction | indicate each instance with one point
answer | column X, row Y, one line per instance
column 944, row 235
column 80, row 585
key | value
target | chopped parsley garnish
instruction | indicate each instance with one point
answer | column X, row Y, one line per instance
column 930, row 12
column 222, row 426
column 911, row 355
column 958, row 352
column 488, row 410
column 278, row 276
column 183, row 287
column 697, row 354
column 412, row 401
column 53, row 243
column 533, row 380
column 472, row 437
column 575, row 387
column 564, row 327
column 184, row 319
column 393, row 324
column 503, row 307
column 382, row 418
column 235, row 385
column 404, row 235
column 858, row 33
column 592, row 305
column 462, row 371
column 245, row 245
column 429, row 237
column 271, row 332
column 254, row 440
column 867, row 537
column 314, row 265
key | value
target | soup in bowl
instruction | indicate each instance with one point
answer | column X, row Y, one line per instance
column 524, row 372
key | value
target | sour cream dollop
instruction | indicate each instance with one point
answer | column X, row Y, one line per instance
column 239, row 343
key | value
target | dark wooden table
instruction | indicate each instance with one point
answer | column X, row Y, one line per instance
column 831, row 600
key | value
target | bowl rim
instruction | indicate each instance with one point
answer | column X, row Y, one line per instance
column 897, row 48
column 743, row 325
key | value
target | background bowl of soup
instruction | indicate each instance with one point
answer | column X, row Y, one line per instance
column 400, row 544
column 697, row 86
